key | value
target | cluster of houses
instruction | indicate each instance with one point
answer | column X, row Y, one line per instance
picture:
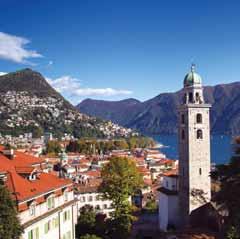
column 18, row 105
column 50, row 191
column 110, row 129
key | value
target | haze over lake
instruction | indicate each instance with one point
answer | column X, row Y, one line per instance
column 221, row 148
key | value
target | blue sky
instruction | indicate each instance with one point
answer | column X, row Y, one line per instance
column 112, row 50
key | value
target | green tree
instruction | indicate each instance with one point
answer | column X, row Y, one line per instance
column 53, row 147
column 132, row 143
column 37, row 132
column 229, row 193
column 86, row 221
column 10, row 227
column 88, row 236
column 120, row 180
column 151, row 206
column 121, row 144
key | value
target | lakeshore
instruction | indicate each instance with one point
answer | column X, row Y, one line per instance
column 221, row 148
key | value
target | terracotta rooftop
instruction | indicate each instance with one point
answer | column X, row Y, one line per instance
column 21, row 159
column 92, row 173
column 21, row 188
column 24, row 170
column 143, row 170
column 164, row 161
column 91, row 185
column 171, row 173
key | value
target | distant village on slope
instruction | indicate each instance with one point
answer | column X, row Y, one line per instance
column 56, row 181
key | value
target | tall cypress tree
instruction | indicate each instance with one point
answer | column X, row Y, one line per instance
column 10, row 227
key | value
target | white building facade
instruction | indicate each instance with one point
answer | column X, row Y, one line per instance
column 168, row 203
column 55, row 217
column 93, row 198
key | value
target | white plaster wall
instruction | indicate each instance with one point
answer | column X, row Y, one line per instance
column 163, row 211
column 193, row 154
column 42, row 208
column 173, row 210
column 95, row 201
column 53, row 233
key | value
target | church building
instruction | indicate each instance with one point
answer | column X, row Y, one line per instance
column 194, row 186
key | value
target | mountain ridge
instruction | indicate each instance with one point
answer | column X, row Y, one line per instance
column 154, row 117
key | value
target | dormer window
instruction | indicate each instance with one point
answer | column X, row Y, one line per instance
column 32, row 177
column 32, row 209
column 65, row 195
column 50, row 202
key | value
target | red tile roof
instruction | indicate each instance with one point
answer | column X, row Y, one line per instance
column 24, row 170
column 171, row 173
column 165, row 161
column 90, row 186
column 23, row 189
column 92, row 173
column 22, row 207
column 40, row 199
column 20, row 159
column 143, row 170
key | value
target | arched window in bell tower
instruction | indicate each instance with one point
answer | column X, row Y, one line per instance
column 191, row 97
column 199, row 118
column 197, row 97
column 183, row 134
column 199, row 134
column 183, row 119
column 184, row 99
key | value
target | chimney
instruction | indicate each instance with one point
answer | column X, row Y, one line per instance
column 9, row 153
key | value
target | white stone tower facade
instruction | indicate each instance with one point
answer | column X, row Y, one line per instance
column 194, row 148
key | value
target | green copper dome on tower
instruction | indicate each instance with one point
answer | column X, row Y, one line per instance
column 192, row 78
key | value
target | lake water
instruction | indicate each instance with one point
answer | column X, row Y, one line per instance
column 221, row 148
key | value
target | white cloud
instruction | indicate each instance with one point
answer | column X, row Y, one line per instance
column 2, row 73
column 13, row 48
column 72, row 87
column 64, row 83
column 101, row 91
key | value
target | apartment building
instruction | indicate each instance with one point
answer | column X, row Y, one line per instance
column 45, row 202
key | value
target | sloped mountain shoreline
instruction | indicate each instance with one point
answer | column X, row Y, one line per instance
column 159, row 114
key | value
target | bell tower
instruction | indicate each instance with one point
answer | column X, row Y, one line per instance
column 194, row 147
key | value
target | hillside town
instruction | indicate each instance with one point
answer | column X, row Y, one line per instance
column 50, row 191
column 23, row 111
column 54, row 182
column 119, row 119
